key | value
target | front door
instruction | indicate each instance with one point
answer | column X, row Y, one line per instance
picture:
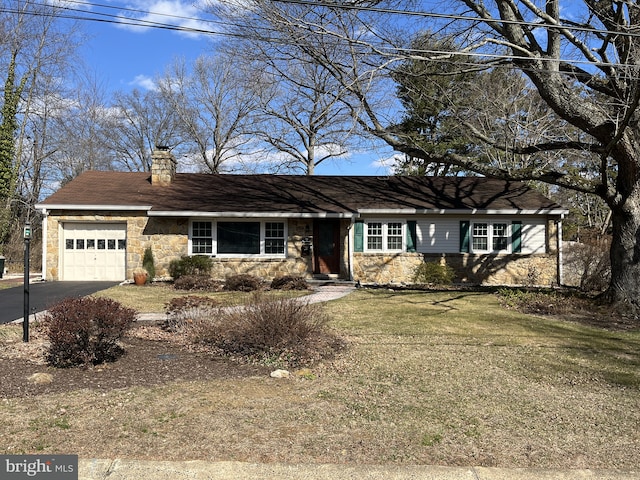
column 326, row 246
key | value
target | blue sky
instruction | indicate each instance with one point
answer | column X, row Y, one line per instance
column 126, row 57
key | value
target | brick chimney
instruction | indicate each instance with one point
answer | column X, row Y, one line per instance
column 163, row 166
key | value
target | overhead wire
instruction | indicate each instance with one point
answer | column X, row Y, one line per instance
column 120, row 20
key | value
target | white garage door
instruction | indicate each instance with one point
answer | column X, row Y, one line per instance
column 94, row 251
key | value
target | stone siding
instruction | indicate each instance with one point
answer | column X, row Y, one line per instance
column 168, row 239
column 513, row 269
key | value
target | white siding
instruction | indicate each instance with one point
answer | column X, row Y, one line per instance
column 442, row 234
column 438, row 235
column 534, row 237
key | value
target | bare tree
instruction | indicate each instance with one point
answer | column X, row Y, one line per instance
column 584, row 68
column 215, row 108
column 137, row 123
column 77, row 138
column 304, row 118
column 34, row 44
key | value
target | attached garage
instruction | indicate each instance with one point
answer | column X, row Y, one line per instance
column 93, row 251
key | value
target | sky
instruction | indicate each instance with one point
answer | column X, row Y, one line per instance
column 126, row 57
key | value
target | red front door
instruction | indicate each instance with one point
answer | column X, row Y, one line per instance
column 326, row 246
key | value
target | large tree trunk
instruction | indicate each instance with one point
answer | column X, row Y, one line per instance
column 624, row 290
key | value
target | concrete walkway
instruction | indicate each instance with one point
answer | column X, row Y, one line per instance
column 118, row 469
column 323, row 293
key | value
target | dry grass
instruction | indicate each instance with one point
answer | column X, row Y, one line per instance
column 430, row 378
column 152, row 298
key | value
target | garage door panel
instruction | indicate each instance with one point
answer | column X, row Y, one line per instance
column 94, row 251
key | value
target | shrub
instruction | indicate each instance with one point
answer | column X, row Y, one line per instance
column 277, row 331
column 243, row 283
column 195, row 265
column 148, row 264
column 588, row 265
column 433, row 273
column 84, row 331
column 187, row 311
column 203, row 283
column 289, row 282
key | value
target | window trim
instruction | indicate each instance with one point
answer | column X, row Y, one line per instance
column 490, row 236
column 263, row 238
column 385, row 235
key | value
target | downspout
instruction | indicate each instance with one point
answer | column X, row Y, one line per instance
column 350, row 247
column 560, row 269
column 45, row 218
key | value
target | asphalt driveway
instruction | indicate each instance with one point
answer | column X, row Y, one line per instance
column 42, row 295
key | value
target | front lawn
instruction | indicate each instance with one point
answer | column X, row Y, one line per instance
column 447, row 378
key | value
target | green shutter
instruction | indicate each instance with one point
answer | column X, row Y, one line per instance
column 358, row 237
column 464, row 236
column 411, row 236
column 516, row 237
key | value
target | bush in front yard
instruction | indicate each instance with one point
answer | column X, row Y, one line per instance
column 289, row 282
column 243, row 283
column 86, row 331
column 195, row 265
column 277, row 331
column 185, row 311
column 203, row 283
column 433, row 273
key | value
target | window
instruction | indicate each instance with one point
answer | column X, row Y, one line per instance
column 201, row 240
column 274, row 238
column 384, row 236
column 394, row 236
column 480, row 236
column 237, row 238
column 490, row 237
column 500, row 236
column 374, row 236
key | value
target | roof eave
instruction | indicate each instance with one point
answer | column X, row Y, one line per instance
column 184, row 213
column 461, row 211
column 60, row 206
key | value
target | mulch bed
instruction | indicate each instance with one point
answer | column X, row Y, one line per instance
column 147, row 362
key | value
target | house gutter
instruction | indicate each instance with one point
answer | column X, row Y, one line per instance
column 458, row 211
column 350, row 247
column 560, row 257
column 152, row 213
column 41, row 206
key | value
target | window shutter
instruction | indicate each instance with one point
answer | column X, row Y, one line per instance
column 358, row 237
column 411, row 236
column 464, row 236
column 516, row 237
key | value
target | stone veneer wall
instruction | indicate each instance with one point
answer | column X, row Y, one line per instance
column 510, row 269
column 268, row 268
column 168, row 239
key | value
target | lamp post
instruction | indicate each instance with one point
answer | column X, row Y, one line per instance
column 25, row 319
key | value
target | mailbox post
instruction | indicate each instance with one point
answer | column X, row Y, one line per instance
column 25, row 320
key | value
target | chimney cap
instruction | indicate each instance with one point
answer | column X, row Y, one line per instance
column 162, row 148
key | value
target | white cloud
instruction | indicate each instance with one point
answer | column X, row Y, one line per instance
column 385, row 165
column 172, row 13
column 144, row 82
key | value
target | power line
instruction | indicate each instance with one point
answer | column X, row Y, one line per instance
column 384, row 50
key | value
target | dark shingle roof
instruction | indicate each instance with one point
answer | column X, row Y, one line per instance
column 296, row 194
